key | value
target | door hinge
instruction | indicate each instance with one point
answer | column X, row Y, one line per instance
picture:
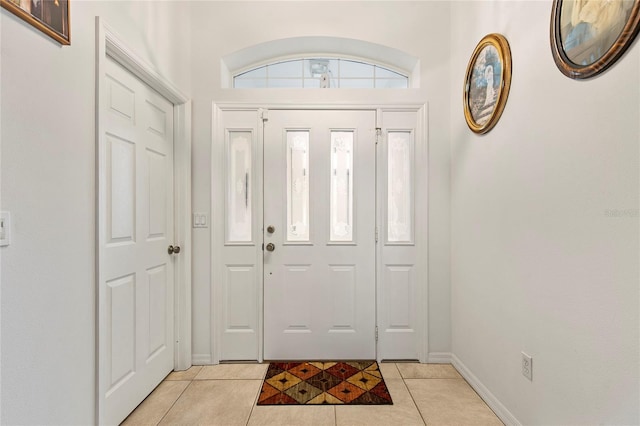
column 378, row 135
column 376, row 333
column 376, row 234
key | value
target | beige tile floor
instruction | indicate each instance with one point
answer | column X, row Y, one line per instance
column 226, row 394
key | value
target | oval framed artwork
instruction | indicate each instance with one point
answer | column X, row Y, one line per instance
column 588, row 36
column 487, row 83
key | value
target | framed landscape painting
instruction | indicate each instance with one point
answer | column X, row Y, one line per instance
column 588, row 36
column 487, row 83
column 49, row 16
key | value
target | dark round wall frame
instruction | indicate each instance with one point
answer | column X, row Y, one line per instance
column 589, row 36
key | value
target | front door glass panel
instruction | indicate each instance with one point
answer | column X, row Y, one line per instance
column 399, row 187
column 239, row 187
column 341, row 186
column 297, row 185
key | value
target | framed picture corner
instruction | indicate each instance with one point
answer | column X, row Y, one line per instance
column 49, row 16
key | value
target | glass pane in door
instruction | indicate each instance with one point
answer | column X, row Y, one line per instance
column 399, row 187
column 341, row 186
column 239, row 187
column 298, row 185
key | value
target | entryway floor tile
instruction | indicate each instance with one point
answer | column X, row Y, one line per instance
column 226, row 394
column 414, row 370
column 233, row 372
column 189, row 374
column 284, row 415
column 389, row 370
column 156, row 405
column 402, row 412
column 450, row 402
column 214, row 402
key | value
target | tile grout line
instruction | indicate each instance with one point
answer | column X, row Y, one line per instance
column 255, row 400
column 174, row 402
column 413, row 399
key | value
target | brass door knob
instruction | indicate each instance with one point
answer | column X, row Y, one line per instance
column 270, row 247
column 173, row 249
column 271, row 229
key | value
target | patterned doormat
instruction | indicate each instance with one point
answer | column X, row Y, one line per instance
column 352, row 382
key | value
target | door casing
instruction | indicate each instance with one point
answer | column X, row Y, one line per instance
column 262, row 112
column 108, row 44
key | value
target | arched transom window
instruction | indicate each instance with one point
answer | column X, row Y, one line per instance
column 336, row 73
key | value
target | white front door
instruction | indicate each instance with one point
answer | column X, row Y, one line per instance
column 136, row 227
column 319, row 235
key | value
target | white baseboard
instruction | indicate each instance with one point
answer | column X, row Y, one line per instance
column 489, row 398
column 439, row 358
column 201, row 359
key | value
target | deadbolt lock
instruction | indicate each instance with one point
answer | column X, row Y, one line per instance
column 271, row 229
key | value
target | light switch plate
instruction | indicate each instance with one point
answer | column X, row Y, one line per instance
column 5, row 229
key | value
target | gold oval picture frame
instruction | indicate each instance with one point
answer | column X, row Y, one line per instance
column 588, row 36
column 487, row 83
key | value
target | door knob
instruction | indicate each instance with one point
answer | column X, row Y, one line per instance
column 270, row 247
column 271, row 229
column 173, row 249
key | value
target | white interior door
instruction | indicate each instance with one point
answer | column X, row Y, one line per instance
column 319, row 235
column 136, row 227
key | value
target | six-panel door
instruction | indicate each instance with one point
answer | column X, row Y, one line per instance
column 136, row 282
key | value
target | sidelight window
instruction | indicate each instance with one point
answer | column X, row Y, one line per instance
column 239, row 186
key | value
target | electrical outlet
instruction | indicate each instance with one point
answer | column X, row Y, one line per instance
column 200, row 220
column 527, row 366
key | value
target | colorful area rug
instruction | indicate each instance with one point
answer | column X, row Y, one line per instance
column 352, row 382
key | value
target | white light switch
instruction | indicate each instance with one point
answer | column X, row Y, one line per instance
column 5, row 228
column 200, row 220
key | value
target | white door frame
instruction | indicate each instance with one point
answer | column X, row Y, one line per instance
column 108, row 44
column 262, row 110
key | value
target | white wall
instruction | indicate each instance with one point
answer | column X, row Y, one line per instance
column 417, row 28
column 537, row 266
column 48, row 184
